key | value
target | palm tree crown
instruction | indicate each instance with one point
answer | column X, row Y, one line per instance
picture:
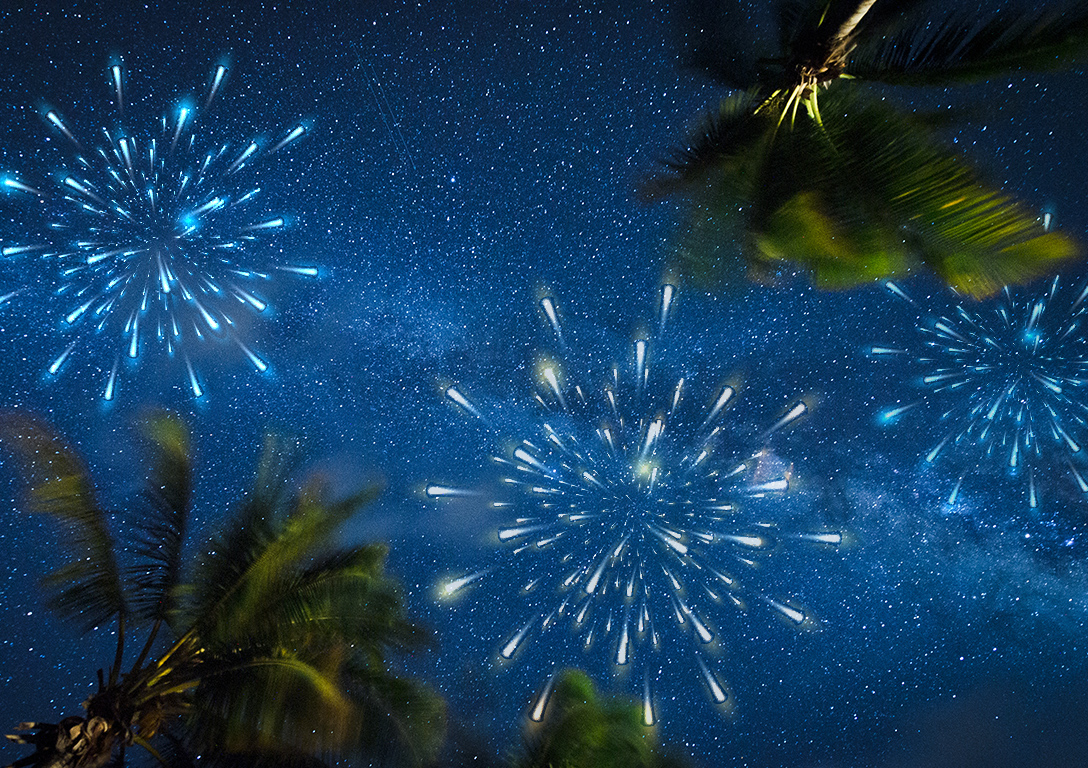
column 277, row 637
column 849, row 188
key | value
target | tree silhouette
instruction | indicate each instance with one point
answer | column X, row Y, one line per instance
column 805, row 167
column 271, row 646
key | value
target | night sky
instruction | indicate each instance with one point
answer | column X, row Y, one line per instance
column 460, row 162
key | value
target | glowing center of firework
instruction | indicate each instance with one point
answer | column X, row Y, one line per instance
column 1007, row 380
column 629, row 508
column 151, row 230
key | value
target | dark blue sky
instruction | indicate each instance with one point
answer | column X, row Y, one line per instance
column 463, row 160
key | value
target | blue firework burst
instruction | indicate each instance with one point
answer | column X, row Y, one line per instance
column 151, row 235
column 1006, row 381
column 634, row 517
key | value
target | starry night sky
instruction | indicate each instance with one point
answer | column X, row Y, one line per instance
column 463, row 160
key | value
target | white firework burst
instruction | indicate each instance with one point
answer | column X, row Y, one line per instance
column 151, row 235
column 631, row 517
column 1007, row 381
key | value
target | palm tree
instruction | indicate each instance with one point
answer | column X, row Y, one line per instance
column 580, row 730
column 272, row 645
column 850, row 188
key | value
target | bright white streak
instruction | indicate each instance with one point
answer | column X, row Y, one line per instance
column 54, row 118
column 213, row 324
column 270, row 224
column 668, row 540
column 897, row 412
column 249, row 298
column 667, row 293
column 782, row 484
column 453, row 586
column 549, row 309
column 220, row 75
column 505, row 534
column 622, row 651
column 198, row 392
column 511, row 647
column 716, row 691
column 553, row 382
column 897, row 291
column 78, row 312
column 723, row 398
column 455, row 395
column 115, row 71
column 795, row 413
column 295, row 133
column 753, row 542
column 542, row 701
column 647, row 704
column 823, row 538
column 932, row 455
column 111, row 383
column 700, row 628
column 56, row 364
column 304, row 271
column 1081, row 483
column 16, row 184
column 594, row 580
column 258, row 363
column 442, row 491
column 183, row 116
column 791, row 613
column 246, row 154
column 525, row 457
column 955, row 491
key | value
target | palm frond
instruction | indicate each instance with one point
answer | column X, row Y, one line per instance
column 230, row 553
column 868, row 195
column 161, row 533
column 403, row 721
column 266, row 572
column 344, row 594
column 964, row 48
column 282, row 701
column 581, row 730
column 88, row 587
column 887, row 195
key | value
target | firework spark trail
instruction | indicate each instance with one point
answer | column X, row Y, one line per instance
column 1007, row 380
column 152, row 234
column 629, row 516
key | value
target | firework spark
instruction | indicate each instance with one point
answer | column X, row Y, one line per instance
column 1008, row 381
column 631, row 516
column 152, row 235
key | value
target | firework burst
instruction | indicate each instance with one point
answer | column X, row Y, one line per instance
column 1007, row 382
column 151, row 236
column 632, row 517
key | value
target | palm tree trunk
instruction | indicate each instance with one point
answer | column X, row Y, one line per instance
column 848, row 26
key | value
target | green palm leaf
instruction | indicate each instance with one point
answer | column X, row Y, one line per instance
column 868, row 195
column 582, row 731
column 88, row 587
column 268, row 557
column 404, row 721
column 161, row 533
column 273, row 701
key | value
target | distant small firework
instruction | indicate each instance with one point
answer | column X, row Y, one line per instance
column 632, row 517
column 151, row 235
column 1006, row 380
